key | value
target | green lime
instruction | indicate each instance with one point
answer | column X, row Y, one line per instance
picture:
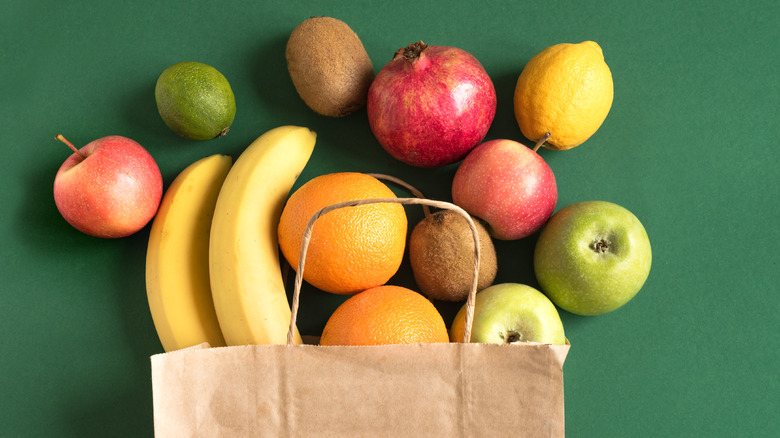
column 195, row 100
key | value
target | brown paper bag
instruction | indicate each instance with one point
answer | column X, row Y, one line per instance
column 429, row 390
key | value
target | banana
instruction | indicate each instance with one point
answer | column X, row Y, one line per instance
column 177, row 257
column 246, row 278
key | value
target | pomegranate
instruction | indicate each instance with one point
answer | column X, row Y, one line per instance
column 430, row 105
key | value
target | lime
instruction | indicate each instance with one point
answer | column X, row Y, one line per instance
column 195, row 100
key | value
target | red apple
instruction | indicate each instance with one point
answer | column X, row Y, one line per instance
column 109, row 188
column 507, row 185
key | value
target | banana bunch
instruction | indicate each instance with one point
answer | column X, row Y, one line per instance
column 212, row 267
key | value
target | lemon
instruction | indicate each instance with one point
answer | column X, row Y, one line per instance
column 565, row 90
column 195, row 100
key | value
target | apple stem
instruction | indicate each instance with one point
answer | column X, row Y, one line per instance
column 541, row 141
column 64, row 140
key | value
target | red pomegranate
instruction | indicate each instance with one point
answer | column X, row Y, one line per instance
column 430, row 105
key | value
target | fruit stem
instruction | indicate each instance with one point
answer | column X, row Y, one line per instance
column 541, row 141
column 64, row 140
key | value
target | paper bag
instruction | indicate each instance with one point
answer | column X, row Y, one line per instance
column 420, row 390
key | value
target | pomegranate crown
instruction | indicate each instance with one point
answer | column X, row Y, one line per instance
column 411, row 52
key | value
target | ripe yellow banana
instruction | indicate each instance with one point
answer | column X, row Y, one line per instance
column 246, row 278
column 177, row 258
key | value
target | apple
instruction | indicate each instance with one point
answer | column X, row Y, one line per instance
column 509, row 313
column 507, row 185
column 109, row 188
column 592, row 257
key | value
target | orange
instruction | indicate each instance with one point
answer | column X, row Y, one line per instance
column 353, row 248
column 566, row 90
column 385, row 315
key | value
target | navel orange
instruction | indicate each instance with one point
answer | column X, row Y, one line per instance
column 353, row 248
column 385, row 315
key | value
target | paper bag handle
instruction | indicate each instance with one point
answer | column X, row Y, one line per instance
column 419, row 201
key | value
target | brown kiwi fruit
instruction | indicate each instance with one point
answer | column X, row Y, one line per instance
column 329, row 66
column 441, row 252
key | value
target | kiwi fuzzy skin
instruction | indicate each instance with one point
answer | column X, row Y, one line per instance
column 329, row 66
column 441, row 252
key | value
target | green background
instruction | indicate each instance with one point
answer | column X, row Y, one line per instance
column 689, row 146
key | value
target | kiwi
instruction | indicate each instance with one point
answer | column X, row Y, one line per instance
column 441, row 253
column 329, row 66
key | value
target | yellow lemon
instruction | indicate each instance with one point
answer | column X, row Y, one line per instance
column 566, row 90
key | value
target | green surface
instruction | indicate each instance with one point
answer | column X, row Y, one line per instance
column 690, row 147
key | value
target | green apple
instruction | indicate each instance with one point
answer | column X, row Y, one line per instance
column 592, row 257
column 510, row 313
